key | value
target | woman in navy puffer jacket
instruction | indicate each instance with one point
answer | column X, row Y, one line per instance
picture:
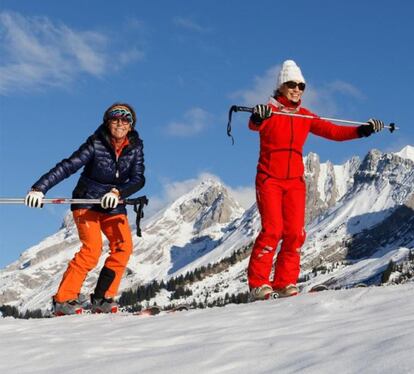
column 113, row 164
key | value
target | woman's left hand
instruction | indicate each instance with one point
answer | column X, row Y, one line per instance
column 373, row 125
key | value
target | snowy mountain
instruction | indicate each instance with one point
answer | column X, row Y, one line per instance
column 372, row 223
column 359, row 216
column 407, row 152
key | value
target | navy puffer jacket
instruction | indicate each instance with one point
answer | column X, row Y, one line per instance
column 103, row 170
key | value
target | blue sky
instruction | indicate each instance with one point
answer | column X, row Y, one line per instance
column 182, row 64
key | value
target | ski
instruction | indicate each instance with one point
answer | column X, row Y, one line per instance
column 155, row 310
column 323, row 287
column 319, row 288
column 149, row 311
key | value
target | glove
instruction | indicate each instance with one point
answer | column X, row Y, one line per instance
column 34, row 199
column 110, row 200
column 260, row 113
column 373, row 125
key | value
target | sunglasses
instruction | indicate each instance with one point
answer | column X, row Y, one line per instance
column 121, row 120
column 293, row 85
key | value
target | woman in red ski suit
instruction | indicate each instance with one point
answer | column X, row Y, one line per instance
column 280, row 185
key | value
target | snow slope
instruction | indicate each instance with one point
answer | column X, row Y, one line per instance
column 349, row 331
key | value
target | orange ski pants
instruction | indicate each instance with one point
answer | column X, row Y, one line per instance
column 90, row 224
column 281, row 203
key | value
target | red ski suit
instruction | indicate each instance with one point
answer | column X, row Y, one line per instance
column 281, row 191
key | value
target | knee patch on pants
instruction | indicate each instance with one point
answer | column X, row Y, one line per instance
column 106, row 277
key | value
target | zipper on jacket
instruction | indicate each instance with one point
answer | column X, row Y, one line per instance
column 116, row 167
column 290, row 147
column 117, row 160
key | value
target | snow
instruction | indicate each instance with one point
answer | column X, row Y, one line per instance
column 365, row 330
column 407, row 152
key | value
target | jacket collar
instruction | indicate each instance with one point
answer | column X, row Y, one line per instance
column 284, row 104
column 103, row 134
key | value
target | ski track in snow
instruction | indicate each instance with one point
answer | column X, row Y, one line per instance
column 348, row 331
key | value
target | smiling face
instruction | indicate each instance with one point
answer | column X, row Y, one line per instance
column 292, row 91
column 119, row 128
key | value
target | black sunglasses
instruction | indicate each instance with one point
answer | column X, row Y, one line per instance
column 292, row 85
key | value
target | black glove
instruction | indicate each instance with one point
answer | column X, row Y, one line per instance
column 373, row 125
column 260, row 113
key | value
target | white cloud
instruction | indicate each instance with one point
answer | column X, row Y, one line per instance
column 263, row 87
column 323, row 100
column 345, row 88
column 320, row 100
column 196, row 120
column 127, row 57
column 189, row 24
column 37, row 53
column 245, row 196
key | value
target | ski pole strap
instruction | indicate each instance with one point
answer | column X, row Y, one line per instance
column 138, row 204
column 235, row 108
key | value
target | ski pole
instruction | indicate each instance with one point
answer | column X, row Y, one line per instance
column 59, row 200
column 137, row 202
column 66, row 200
column 236, row 108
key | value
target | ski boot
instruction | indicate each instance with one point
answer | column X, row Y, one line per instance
column 263, row 292
column 103, row 305
column 67, row 308
column 289, row 290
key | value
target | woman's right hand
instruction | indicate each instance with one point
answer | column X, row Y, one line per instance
column 34, row 199
column 110, row 200
column 260, row 113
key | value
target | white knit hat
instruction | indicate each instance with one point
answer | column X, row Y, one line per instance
column 290, row 72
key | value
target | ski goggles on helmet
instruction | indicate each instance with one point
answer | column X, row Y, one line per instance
column 293, row 85
column 120, row 113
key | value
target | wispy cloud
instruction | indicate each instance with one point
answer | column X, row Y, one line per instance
column 190, row 24
column 38, row 53
column 196, row 120
column 345, row 88
column 245, row 196
column 322, row 99
column 263, row 87
column 131, row 55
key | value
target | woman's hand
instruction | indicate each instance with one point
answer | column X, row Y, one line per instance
column 110, row 200
column 34, row 199
column 373, row 125
column 260, row 113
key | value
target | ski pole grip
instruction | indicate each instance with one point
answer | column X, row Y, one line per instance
column 242, row 109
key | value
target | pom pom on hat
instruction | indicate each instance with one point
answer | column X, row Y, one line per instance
column 290, row 72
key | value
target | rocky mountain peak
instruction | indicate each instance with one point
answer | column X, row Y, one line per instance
column 326, row 183
column 379, row 167
column 207, row 204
